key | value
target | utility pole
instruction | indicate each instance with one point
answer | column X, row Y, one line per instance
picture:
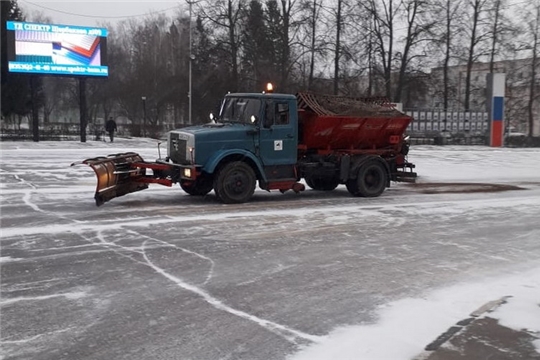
column 191, row 56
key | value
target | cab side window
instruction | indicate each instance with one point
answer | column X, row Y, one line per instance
column 276, row 114
column 282, row 114
column 269, row 114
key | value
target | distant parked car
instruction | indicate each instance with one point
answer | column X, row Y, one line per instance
column 515, row 134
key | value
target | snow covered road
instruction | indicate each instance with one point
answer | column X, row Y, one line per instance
column 162, row 275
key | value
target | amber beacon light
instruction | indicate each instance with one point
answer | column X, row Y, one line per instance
column 269, row 88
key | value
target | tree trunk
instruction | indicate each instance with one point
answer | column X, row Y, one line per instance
column 285, row 51
column 411, row 36
column 234, row 46
column 370, row 62
column 337, row 50
column 312, row 50
column 388, row 67
column 494, row 40
column 448, row 39
column 534, row 63
column 383, row 31
column 470, row 60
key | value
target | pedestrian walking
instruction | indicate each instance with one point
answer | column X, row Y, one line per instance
column 110, row 127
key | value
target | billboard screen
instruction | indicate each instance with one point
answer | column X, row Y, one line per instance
column 56, row 49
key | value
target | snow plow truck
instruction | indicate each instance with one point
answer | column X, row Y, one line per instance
column 275, row 140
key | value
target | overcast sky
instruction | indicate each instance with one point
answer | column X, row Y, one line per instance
column 93, row 13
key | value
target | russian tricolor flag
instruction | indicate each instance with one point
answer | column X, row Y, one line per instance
column 497, row 84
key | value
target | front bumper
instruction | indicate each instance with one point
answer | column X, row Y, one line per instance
column 187, row 172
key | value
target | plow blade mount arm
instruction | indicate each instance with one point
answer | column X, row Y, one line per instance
column 116, row 175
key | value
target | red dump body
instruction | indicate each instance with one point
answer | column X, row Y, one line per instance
column 345, row 123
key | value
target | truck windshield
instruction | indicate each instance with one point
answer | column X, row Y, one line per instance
column 239, row 110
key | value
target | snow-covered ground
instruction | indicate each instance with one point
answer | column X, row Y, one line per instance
column 436, row 311
column 409, row 322
column 39, row 175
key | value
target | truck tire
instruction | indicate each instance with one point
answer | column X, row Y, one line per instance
column 370, row 181
column 235, row 183
column 321, row 183
column 202, row 186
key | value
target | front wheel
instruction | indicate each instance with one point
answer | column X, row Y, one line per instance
column 370, row 181
column 235, row 183
column 200, row 187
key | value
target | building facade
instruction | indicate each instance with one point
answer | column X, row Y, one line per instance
column 517, row 94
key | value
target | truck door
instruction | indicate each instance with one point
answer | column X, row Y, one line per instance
column 278, row 139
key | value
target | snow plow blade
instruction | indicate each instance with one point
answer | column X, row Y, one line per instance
column 116, row 175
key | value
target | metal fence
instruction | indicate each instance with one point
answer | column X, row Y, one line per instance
column 433, row 126
column 60, row 132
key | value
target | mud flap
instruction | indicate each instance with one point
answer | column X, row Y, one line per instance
column 116, row 175
column 404, row 175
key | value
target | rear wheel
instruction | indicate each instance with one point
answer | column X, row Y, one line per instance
column 322, row 183
column 370, row 181
column 200, row 187
column 235, row 183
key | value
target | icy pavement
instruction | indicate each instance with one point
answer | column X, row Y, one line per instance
column 162, row 275
column 404, row 324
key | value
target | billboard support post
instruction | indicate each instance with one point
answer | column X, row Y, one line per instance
column 82, row 108
column 35, row 115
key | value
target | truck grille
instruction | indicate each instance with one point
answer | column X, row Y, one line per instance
column 178, row 149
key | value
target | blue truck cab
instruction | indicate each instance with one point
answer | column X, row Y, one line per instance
column 253, row 138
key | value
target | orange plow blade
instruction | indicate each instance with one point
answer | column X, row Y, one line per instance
column 116, row 175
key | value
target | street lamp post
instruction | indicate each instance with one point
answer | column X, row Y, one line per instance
column 190, row 60
column 191, row 56
column 144, row 114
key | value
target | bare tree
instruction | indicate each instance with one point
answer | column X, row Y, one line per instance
column 476, row 36
column 278, row 23
column 446, row 33
column 258, row 55
column 314, row 7
column 337, row 49
column 226, row 14
column 310, row 40
column 54, row 94
column 383, row 14
column 495, row 33
column 417, row 26
column 531, row 26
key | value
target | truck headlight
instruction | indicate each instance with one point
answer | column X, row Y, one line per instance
column 187, row 173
